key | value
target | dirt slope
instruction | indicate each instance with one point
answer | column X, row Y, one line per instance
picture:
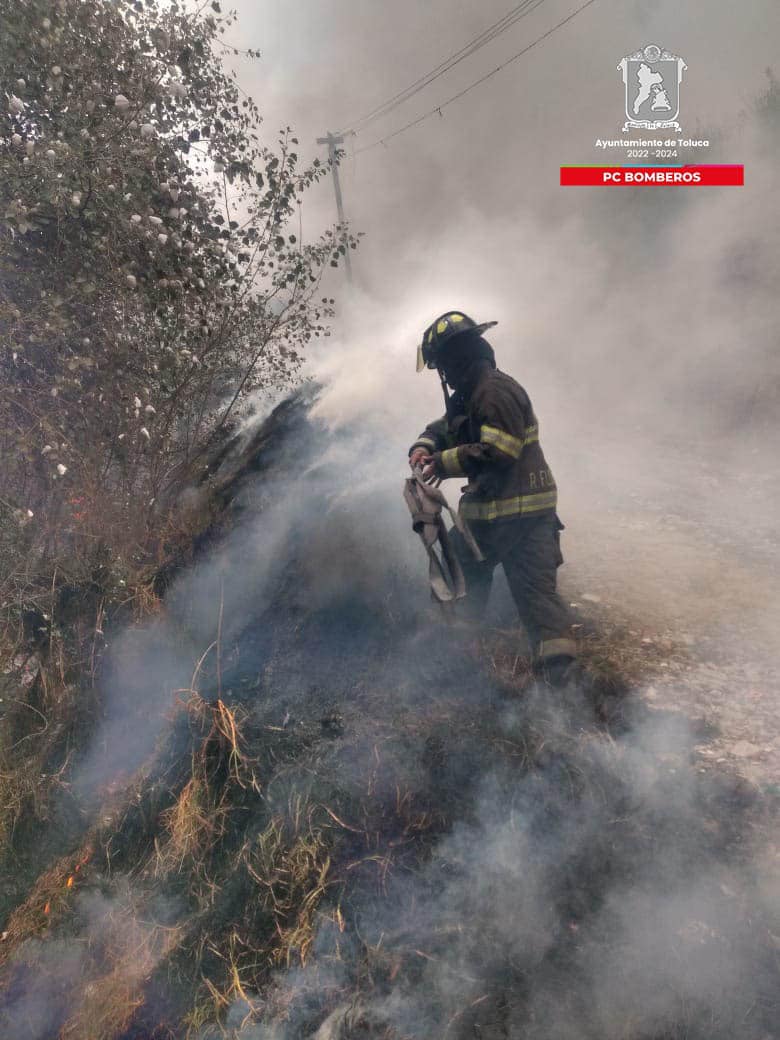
column 310, row 809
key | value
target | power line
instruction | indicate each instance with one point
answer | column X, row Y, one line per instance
column 471, row 47
column 476, row 83
column 479, row 41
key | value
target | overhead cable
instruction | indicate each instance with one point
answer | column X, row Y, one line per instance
column 485, row 37
column 476, row 83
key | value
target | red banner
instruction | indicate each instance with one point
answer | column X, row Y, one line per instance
column 698, row 176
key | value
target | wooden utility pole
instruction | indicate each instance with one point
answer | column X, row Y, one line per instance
column 331, row 140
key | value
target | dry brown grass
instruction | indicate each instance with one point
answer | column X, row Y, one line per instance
column 198, row 819
column 25, row 785
column 107, row 1002
column 51, row 897
column 257, row 901
column 48, row 692
column 291, row 864
column 226, row 730
column 192, row 826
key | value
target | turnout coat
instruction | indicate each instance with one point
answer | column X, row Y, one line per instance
column 492, row 439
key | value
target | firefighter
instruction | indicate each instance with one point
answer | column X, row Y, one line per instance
column 490, row 436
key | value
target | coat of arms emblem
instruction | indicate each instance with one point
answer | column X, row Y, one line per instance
column 652, row 78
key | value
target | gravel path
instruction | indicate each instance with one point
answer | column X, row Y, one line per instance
column 692, row 605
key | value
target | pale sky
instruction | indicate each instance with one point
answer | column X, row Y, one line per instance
column 596, row 290
column 326, row 62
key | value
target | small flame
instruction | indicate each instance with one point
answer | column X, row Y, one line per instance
column 69, row 882
column 46, row 908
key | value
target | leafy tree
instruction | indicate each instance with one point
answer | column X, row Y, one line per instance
column 150, row 274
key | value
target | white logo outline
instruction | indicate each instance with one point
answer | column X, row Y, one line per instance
column 645, row 66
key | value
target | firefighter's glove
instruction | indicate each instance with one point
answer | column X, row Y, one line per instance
column 433, row 469
column 419, row 457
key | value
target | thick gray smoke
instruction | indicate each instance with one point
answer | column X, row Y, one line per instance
column 577, row 885
column 641, row 321
column 591, row 885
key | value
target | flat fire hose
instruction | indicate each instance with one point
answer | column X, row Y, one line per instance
column 426, row 504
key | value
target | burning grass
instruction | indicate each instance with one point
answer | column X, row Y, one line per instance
column 109, row 1001
column 300, row 874
column 298, row 862
column 350, row 826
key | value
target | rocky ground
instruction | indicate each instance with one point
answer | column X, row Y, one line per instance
column 690, row 600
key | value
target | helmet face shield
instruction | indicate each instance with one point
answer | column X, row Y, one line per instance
column 420, row 359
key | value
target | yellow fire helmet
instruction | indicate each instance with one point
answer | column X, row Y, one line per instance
column 441, row 331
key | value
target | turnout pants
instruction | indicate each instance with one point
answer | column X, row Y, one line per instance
column 528, row 549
